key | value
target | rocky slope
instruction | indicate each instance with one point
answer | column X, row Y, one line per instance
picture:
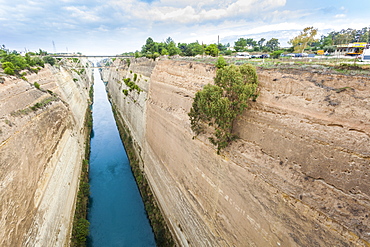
column 298, row 175
column 42, row 144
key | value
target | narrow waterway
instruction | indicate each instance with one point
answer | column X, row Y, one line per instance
column 116, row 212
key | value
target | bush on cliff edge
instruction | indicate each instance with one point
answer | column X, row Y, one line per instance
column 220, row 104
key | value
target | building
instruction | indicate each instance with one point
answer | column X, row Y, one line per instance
column 351, row 49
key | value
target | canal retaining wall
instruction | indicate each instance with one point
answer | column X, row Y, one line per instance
column 42, row 145
column 298, row 175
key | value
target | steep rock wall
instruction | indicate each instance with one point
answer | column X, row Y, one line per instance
column 298, row 176
column 41, row 152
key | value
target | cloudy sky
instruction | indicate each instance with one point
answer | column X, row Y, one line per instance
column 116, row 26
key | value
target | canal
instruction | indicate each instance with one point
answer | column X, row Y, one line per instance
column 116, row 212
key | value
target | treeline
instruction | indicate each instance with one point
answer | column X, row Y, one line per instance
column 344, row 36
column 152, row 49
column 12, row 62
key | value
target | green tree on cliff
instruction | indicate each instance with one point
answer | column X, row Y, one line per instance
column 220, row 104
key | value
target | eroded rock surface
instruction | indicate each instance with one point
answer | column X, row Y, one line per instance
column 42, row 144
column 298, row 175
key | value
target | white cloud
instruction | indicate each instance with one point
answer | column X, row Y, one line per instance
column 83, row 13
column 128, row 23
column 193, row 11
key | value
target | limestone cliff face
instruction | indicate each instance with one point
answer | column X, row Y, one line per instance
column 41, row 151
column 298, row 175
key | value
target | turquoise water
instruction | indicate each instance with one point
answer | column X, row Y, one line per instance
column 116, row 212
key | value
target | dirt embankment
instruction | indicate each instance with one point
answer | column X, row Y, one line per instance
column 41, row 150
column 298, row 175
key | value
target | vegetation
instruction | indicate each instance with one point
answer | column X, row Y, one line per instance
column 272, row 44
column 153, row 49
column 220, row 104
column 220, row 62
column 251, row 45
column 49, row 60
column 303, row 39
column 128, row 61
column 12, row 62
column 43, row 103
column 80, row 229
column 305, row 42
column 131, row 85
column 276, row 54
column 212, row 50
column 9, row 68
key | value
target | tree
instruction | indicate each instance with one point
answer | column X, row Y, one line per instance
column 300, row 42
column 191, row 49
column 172, row 48
column 251, row 42
column 260, row 42
column 220, row 104
column 240, row 44
column 221, row 62
column 273, row 44
column 212, row 50
column 149, row 46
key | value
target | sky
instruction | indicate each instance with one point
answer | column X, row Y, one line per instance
column 109, row 27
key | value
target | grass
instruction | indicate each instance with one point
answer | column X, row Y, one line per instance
column 43, row 103
column 35, row 107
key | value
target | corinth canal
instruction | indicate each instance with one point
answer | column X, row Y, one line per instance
column 116, row 212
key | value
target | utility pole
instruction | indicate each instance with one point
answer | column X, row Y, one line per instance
column 55, row 50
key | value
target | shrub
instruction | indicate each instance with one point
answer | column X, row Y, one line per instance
column 9, row 71
column 38, row 61
column 36, row 70
column 49, row 60
column 82, row 231
column 276, row 54
column 131, row 85
column 221, row 62
column 36, row 85
column 9, row 68
column 220, row 104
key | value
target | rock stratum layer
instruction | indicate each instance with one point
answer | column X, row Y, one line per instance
column 42, row 144
column 298, row 175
